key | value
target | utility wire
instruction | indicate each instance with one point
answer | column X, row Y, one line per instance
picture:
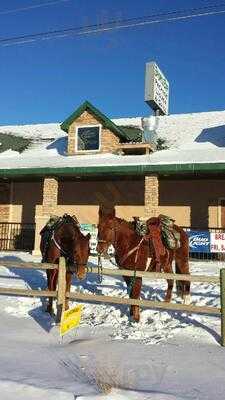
column 113, row 25
column 49, row 3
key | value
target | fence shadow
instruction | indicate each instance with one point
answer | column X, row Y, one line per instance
column 189, row 320
column 43, row 319
column 33, row 278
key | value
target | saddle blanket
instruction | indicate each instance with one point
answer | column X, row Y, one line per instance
column 170, row 236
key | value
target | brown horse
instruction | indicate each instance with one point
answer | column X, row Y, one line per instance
column 66, row 240
column 142, row 253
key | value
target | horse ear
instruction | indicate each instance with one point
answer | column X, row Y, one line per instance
column 112, row 212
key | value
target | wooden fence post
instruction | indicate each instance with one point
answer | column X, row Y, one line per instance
column 61, row 293
column 222, row 301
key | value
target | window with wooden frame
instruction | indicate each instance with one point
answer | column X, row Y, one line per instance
column 88, row 138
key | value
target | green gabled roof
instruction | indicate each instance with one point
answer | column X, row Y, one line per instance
column 86, row 106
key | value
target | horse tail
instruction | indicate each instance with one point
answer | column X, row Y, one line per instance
column 182, row 265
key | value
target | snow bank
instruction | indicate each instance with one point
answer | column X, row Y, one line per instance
column 167, row 356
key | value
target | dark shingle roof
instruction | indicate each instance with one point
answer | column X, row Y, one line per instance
column 15, row 143
column 133, row 134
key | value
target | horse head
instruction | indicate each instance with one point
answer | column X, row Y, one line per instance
column 81, row 252
column 73, row 245
column 106, row 230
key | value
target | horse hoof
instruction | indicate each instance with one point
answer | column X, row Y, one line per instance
column 135, row 317
column 167, row 299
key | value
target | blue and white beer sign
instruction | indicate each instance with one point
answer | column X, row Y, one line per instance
column 199, row 241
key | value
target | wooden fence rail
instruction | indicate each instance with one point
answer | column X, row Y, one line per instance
column 157, row 304
column 61, row 293
column 158, row 275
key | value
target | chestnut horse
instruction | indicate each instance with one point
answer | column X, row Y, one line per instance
column 67, row 241
column 143, row 253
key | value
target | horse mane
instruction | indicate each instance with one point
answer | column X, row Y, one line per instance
column 68, row 219
column 72, row 220
column 129, row 224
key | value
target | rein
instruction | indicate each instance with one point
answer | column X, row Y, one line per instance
column 57, row 244
column 63, row 252
column 136, row 248
column 130, row 252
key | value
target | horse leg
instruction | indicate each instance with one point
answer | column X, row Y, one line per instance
column 183, row 287
column 134, row 294
column 52, row 283
column 168, row 269
column 50, row 299
column 68, row 286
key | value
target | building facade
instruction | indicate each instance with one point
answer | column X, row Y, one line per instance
column 90, row 160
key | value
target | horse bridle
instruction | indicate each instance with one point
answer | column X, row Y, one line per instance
column 113, row 242
column 130, row 252
column 64, row 252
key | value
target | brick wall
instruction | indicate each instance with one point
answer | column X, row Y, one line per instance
column 151, row 196
column 48, row 207
column 109, row 141
column 50, row 195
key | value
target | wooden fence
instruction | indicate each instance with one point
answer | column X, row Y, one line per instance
column 39, row 293
column 61, row 293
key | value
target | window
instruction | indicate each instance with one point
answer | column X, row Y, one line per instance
column 88, row 138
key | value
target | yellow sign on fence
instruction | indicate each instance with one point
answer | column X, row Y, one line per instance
column 70, row 319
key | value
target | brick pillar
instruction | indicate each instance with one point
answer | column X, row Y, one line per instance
column 5, row 201
column 151, row 196
column 71, row 140
column 50, row 194
column 49, row 206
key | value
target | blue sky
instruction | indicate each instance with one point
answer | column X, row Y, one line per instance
column 45, row 81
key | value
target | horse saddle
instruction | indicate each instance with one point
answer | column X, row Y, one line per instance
column 140, row 226
column 47, row 232
column 53, row 223
column 169, row 235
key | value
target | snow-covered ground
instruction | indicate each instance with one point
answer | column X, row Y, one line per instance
column 167, row 356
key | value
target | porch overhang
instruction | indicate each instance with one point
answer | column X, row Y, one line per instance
column 106, row 170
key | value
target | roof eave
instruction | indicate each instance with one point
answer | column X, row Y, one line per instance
column 162, row 169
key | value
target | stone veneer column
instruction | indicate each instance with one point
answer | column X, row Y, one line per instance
column 50, row 194
column 5, row 202
column 49, row 206
column 151, row 196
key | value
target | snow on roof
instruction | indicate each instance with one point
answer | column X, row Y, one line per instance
column 35, row 131
column 192, row 138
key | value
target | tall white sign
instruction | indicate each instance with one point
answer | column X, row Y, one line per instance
column 156, row 89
